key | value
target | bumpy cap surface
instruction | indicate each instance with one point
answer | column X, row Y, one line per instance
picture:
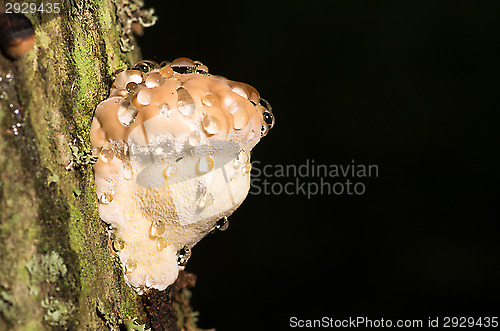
column 173, row 145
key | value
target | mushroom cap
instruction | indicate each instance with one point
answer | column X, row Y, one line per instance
column 173, row 145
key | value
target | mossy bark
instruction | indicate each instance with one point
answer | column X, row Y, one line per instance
column 58, row 268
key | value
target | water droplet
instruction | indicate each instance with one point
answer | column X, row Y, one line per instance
column 157, row 228
column 241, row 159
column 206, row 200
column 125, row 77
column 154, row 79
column 127, row 171
column 118, row 71
column 265, row 104
column 183, row 256
column 167, row 72
column 146, row 66
column 240, row 119
column 118, row 244
column 202, row 69
column 131, row 87
column 209, row 100
column 144, row 97
column 107, row 155
column 268, row 119
column 186, row 103
column 130, row 266
column 106, row 198
column 169, row 171
column 161, row 243
column 205, row 164
column 247, row 168
column 194, row 138
column 264, row 129
column 211, row 124
column 183, row 65
column 222, row 224
column 149, row 281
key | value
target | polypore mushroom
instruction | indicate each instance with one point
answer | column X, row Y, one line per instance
column 173, row 145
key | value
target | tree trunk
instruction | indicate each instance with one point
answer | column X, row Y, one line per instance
column 59, row 271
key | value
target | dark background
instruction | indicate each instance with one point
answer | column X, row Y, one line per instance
column 407, row 85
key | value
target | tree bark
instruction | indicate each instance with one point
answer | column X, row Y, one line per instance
column 58, row 266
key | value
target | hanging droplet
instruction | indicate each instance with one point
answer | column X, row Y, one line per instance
column 211, row 124
column 186, row 103
column 149, row 281
column 118, row 244
column 106, row 198
column 222, row 224
column 241, row 159
column 264, row 129
column 107, row 155
column 161, row 243
column 240, row 119
column 127, row 171
column 267, row 116
column 183, row 256
column 154, row 79
column 268, row 119
column 146, row 66
column 206, row 200
column 205, row 164
column 144, row 97
column 194, row 138
column 164, row 110
column 209, row 100
column 157, row 228
column 132, row 87
column 130, row 266
column 169, row 171
column 247, row 168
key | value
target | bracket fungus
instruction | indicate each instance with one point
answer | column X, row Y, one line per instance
column 173, row 145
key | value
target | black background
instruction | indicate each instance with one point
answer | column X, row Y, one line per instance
column 407, row 85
